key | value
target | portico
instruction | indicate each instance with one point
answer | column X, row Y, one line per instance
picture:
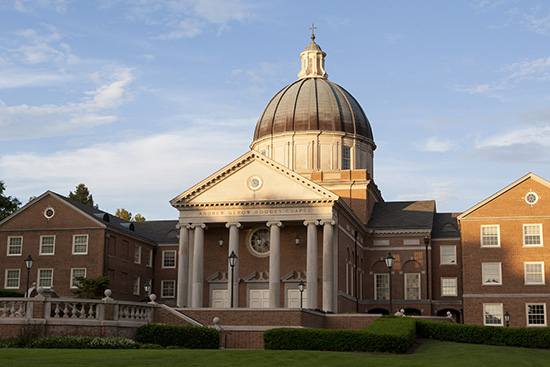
column 263, row 229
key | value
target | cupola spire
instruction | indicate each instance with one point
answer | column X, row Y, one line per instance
column 313, row 59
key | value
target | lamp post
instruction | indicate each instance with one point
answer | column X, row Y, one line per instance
column 507, row 318
column 28, row 264
column 301, row 287
column 232, row 263
column 147, row 287
column 389, row 264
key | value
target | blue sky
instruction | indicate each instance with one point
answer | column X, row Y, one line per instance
column 141, row 99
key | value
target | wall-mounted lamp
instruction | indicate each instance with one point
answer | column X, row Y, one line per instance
column 220, row 242
column 297, row 239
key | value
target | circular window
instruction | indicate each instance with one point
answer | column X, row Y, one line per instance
column 254, row 183
column 531, row 198
column 258, row 242
column 49, row 212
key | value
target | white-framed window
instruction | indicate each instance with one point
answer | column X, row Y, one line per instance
column 168, row 288
column 45, row 278
column 15, row 245
column 12, row 278
column 137, row 254
column 449, row 287
column 534, row 272
column 448, row 255
column 532, row 235
column 136, row 286
column 169, row 259
column 490, row 236
column 536, row 314
column 412, row 286
column 149, row 258
column 80, row 244
column 75, row 273
column 381, row 286
column 47, row 245
column 346, row 158
column 491, row 273
column 492, row 314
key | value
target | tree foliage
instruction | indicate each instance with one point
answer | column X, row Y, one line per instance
column 8, row 204
column 82, row 195
column 91, row 287
column 126, row 215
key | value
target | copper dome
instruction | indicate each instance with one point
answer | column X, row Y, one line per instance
column 313, row 104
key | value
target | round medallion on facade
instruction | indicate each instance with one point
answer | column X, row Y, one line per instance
column 254, row 183
column 531, row 198
column 49, row 212
column 258, row 242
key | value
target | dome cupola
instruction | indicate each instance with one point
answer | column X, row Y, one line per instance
column 314, row 124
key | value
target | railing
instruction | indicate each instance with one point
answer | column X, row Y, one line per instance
column 106, row 309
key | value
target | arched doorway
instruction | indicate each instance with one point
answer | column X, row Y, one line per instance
column 454, row 313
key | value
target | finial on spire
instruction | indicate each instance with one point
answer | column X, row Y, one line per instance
column 313, row 28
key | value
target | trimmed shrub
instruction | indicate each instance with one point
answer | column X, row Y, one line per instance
column 491, row 335
column 390, row 334
column 150, row 346
column 8, row 293
column 192, row 337
column 9, row 343
column 82, row 342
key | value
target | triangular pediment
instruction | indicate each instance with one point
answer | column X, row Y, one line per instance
column 514, row 196
column 253, row 178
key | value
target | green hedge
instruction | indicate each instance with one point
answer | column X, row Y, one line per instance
column 491, row 335
column 192, row 337
column 387, row 334
column 8, row 293
column 82, row 342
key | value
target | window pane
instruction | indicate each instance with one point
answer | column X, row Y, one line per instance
column 412, row 286
column 448, row 254
column 12, row 278
column 531, row 234
column 45, row 277
column 47, row 245
column 80, row 244
column 77, row 273
column 169, row 259
column 489, row 236
column 534, row 273
column 346, row 158
column 448, row 287
column 491, row 273
column 382, row 286
column 15, row 245
column 536, row 314
column 168, row 288
column 493, row 314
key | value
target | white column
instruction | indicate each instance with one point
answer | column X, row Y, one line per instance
column 233, row 247
column 328, row 269
column 274, row 264
column 191, row 243
column 183, row 265
column 198, row 265
column 311, row 271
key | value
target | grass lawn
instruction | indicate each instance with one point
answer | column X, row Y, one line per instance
column 429, row 354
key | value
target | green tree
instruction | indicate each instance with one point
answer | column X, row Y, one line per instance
column 82, row 195
column 126, row 215
column 8, row 204
column 91, row 287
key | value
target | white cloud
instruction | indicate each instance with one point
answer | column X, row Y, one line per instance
column 435, row 144
column 127, row 173
column 27, row 6
column 537, row 24
column 97, row 108
column 530, row 135
column 537, row 70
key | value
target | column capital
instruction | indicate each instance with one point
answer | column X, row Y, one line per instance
column 197, row 225
column 278, row 224
column 309, row 222
column 328, row 221
column 182, row 225
column 236, row 224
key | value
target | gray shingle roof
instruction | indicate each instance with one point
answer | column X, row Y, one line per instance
column 402, row 215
